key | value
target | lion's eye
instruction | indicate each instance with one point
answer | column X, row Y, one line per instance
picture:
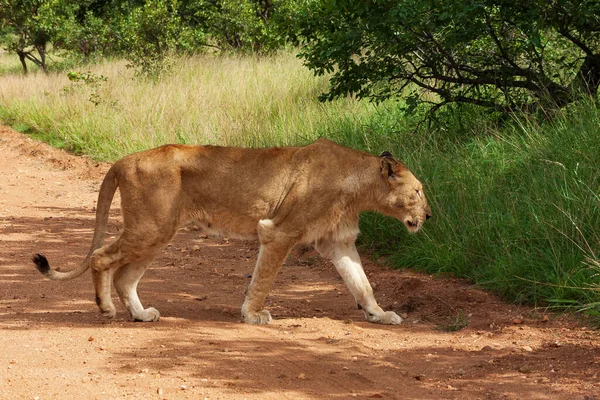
column 418, row 193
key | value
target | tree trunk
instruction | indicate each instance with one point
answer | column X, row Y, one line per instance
column 21, row 55
column 41, row 49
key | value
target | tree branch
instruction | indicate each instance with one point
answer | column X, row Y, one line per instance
column 503, row 51
column 565, row 33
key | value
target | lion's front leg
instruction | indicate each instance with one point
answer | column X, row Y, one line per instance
column 274, row 248
column 347, row 262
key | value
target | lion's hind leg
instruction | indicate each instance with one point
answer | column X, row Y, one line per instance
column 103, row 265
column 102, row 283
column 126, row 279
column 106, row 262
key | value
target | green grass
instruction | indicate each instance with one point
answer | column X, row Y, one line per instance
column 456, row 323
column 207, row 100
column 9, row 63
column 516, row 208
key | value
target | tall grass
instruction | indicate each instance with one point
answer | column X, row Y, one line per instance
column 206, row 100
column 516, row 208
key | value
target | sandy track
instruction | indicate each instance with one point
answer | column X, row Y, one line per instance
column 54, row 344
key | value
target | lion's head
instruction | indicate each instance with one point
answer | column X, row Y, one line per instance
column 404, row 199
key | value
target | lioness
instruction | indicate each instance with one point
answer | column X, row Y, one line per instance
column 282, row 196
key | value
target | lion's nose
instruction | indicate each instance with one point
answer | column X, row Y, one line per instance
column 427, row 216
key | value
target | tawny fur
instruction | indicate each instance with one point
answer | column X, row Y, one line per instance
column 282, row 196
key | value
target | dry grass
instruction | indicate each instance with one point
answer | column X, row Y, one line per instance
column 218, row 100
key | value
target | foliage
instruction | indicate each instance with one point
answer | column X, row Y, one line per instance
column 150, row 34
column 147, row 32
column 91, row 82
column 244, row 25
column 233, row 23
column 89, row 36
column 31, row 24
column 504, row 55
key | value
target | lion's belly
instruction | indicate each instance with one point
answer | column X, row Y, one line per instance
column 221, row 221
column 239, row 231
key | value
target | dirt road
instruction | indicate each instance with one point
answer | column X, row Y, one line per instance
column 55, row 345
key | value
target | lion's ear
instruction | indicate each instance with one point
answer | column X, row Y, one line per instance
column 387, row 166
column 386, row 154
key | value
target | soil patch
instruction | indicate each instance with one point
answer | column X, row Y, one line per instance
column 457, row 342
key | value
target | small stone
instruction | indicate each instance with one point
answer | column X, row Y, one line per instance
column 302, row 376
column 525, row 369
column 183, row 387
column 486, row 348
column 91, row 339
column 376, row 396
column 160, row 391
column 517, row 321
column 419, row 377
column 545, row 318
column 527, row 348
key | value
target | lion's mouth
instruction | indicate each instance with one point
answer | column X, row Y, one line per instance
column 412, row 224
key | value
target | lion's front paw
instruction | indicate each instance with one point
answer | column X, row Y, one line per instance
column 384, row 317
column 390, row 318
column 150, row 314
column 257, row 318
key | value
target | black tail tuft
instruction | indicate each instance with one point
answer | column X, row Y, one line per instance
column 41, row 263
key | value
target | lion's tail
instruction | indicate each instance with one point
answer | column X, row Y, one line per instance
column 105, row 197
